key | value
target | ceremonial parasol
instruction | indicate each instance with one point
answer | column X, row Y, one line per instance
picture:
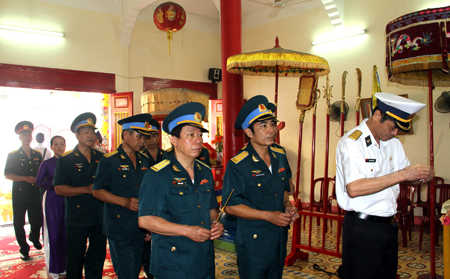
column 417, row 54
column 277, row 62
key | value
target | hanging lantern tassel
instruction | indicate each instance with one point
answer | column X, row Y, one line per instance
column 169, row 37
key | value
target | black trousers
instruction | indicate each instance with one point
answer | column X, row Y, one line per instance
column 146, row 256
column 369, row 249
column 34, row 218
column 77, row 256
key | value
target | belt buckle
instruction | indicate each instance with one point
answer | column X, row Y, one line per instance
column 393, row 220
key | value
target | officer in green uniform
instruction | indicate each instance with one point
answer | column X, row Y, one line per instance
column 152, row 150
column 74, row 175
column 178, row 203
column 117, row 181
column 21, row 167
column 155, row 155
column 258, row 174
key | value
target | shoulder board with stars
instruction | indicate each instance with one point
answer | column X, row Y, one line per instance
column 142, row 153
column 236, row 159
column 12, row 152
column 161, row 165
column 110, row 154
column 278, row 150
column 169, row 149
column 355, row 135
column 66, row 153
column 198, row 161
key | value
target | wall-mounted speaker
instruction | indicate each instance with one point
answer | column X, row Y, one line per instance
column 215, row 74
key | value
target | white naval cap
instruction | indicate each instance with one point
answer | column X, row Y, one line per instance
column 399, row 108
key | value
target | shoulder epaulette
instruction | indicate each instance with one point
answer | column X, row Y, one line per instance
column 36, row 150
column 169, row 149
column 279, row 150
column 198, row 161
column 355, row 135
column 142, row 153
column 236, row 159
column 66, row 153
column 12, row 152
column 161, row 165
column 110, row 154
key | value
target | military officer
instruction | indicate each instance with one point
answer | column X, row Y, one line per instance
column 117, row 183
column 74, row 175
column 178, row 203
column 155, row 155
column 21, row 167
column 370, row 164
column 152, row 149
column 258, row 174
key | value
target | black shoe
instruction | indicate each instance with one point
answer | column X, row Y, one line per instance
column 37, row 245
column 24, row 257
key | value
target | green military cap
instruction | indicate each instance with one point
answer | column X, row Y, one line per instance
column 138, row 122
column 154, row 126
column 24, row 126
column 257, row 108
column 190, row 113
column 86, row 119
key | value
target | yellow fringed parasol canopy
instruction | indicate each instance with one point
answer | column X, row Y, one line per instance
column 290, row 63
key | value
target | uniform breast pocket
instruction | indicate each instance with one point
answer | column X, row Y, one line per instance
column 123, row 175
column 372, row 168
column 180, row 199
column 206, row 191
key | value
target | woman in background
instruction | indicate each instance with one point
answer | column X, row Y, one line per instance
column 54, row 210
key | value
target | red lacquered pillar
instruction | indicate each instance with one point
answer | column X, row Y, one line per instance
column 232, row 84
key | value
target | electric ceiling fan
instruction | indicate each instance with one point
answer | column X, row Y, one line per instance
column 277, row 5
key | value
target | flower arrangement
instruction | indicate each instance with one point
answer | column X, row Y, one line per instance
column 218, row 141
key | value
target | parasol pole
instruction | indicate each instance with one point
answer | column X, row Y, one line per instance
column 344, row 77
column 432, row 190
column 299, row 153
column 358, row 96
column 327, row 96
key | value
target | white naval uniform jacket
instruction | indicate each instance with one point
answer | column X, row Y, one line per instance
column 360, row 157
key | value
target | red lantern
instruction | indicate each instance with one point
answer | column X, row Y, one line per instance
column 169, row 17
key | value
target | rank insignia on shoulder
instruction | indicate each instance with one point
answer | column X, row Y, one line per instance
column 175, row 168
column 66, row 153
column 179, row 181
column 278, row 150
column 254, row 158
column 204, row 181
column 281, row 170
column 236, row 159
column 198, row 161
column 110, row 154
column 355, row 135
column 368, row 141
column 160, row 165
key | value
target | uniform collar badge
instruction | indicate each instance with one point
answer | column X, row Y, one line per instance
column 122, row 156
column 76, row 154
column 274, row 155
column 254, row 159
column 199, row 167
column 175, row 168
column 368, row 141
